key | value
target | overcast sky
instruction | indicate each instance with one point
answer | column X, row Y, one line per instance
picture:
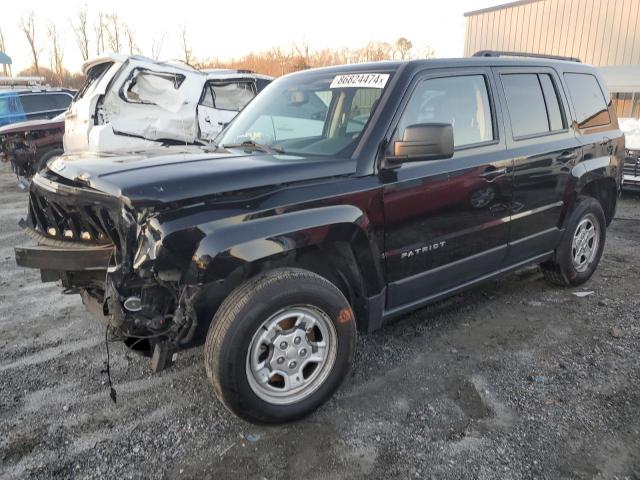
column 226, row 29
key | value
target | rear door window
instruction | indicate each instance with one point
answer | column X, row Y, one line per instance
column 34, row 103
column 588, row 100
column 533, row 104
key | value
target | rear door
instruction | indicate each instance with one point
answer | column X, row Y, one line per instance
column 445, row 219
column 152, row 102
column 220, row 102
column 596, row 124
column 544, row 150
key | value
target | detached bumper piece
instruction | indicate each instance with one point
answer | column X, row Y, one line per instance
column 64, row 259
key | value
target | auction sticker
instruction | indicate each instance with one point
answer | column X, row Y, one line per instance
column 360, row 80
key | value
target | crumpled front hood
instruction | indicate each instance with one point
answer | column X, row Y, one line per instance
column 177, row 174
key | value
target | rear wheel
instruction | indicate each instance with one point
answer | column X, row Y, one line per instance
column 581, row 247
column 280, row 345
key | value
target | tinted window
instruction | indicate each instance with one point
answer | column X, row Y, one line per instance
column 533, row 104
column 526, row 104
column 261, row 83
column 232, row 96
column 35, row 102
column 61, row 101
column 461, row 101
column 588, row 100
column 552, row 103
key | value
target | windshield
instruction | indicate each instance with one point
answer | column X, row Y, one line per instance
column 323, row 114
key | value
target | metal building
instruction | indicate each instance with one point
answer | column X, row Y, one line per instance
column 599, row 32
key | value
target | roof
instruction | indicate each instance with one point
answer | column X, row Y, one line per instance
column 25, row 89
column 214, row 73
column 499, row 7
column 5, row 59
column 622, row 78
column 416, row 65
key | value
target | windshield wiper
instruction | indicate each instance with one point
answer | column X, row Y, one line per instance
column 250, row 144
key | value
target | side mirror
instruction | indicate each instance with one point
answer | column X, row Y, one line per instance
column 422, row 141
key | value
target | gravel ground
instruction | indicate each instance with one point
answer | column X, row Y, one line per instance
column 514, row 379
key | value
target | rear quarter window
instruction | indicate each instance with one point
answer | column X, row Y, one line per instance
column 588, row 100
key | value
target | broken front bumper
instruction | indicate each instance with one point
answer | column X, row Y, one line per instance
column 64, row 259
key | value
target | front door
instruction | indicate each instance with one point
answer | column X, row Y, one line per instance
column 447, row 220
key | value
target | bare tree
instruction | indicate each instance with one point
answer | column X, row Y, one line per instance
column 6, row 69
column 131, row 40
column 403, row 47
column 187, row 51
column 428, row 52
column 56, row 54
column 156, row 46
column 28, row 27
column 303, row 61
column 100, row 29
column 115, row 31
column 81, row 32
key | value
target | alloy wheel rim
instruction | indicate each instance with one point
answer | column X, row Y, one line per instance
column 586, row 240
column 291, row 354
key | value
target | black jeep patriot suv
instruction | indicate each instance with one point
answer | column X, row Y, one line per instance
column 339, row 198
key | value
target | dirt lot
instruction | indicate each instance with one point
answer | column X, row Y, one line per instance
column 515, row 379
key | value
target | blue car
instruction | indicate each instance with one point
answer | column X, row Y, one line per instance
column 32, row 104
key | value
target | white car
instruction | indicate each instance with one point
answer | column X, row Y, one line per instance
column 133, row 102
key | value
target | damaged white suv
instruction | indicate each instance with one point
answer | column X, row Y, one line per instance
column 133, row 102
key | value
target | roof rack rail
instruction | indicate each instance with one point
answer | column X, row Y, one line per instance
column 498, row 53
column 21, row 81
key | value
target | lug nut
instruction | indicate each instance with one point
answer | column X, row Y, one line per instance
column 283, row 345
column 297, row 340
column 280, row 360
column 293, row 364
column 303, row 352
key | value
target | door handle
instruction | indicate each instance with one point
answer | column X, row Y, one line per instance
column 493, row 173
column 567, row 156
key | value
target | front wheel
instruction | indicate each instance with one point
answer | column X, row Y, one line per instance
column 280, row 345
column 581, row 247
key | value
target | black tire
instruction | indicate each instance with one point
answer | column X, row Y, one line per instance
column 42, row 162
column 244, row 312
column 562, row 270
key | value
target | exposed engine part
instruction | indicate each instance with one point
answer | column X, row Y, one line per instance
column 133, row 304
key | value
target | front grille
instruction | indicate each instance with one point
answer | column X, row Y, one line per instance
column 68, row 219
